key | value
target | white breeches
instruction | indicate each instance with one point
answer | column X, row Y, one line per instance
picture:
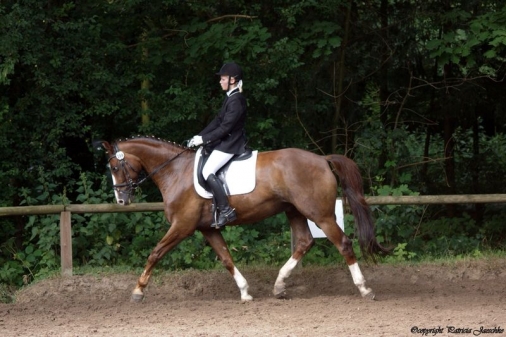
column 216, row 161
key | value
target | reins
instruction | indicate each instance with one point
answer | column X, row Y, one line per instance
column 120, row 155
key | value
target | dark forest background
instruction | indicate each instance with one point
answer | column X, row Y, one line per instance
column 413, row 91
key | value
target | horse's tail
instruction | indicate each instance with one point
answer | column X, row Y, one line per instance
column 351, row 183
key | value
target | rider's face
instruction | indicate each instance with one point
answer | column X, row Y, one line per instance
column 224, row 82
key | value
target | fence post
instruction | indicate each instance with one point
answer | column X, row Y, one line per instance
column 66, row 243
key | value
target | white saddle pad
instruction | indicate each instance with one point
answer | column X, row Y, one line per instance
column 240, row 176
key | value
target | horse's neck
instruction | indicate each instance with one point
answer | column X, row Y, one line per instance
column 164, row 161
column 151, row 154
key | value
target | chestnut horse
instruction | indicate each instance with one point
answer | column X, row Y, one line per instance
column 294, row 181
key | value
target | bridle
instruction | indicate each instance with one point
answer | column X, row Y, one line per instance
column 130, row 184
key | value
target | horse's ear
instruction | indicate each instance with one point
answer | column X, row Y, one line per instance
column 99, row 145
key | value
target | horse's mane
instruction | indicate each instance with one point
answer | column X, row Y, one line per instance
column 154, row 139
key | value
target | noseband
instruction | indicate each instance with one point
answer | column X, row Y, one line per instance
column 130, row 183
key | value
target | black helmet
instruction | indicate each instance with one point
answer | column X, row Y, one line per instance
column 231, row 69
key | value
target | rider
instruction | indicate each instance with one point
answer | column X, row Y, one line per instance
column 225, row 137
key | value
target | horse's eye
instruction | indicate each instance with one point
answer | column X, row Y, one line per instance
column 115, row 169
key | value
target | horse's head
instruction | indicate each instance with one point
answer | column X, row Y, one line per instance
column 125, row 170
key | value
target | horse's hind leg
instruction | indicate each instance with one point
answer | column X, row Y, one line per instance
column 344, row 245
column 303, row 241
column 219, row 245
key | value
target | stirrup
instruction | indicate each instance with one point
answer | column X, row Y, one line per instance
column 224, row 218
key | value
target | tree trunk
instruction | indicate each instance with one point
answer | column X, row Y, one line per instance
column 384, row 92
column 144, row 86
column 475, row 169
column 338, row 93
column 449, row 151
column 425, row 166
column 144, row 103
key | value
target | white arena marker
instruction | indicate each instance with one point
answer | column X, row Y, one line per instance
column 317, row 232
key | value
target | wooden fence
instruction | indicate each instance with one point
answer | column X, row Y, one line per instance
column 66, row 211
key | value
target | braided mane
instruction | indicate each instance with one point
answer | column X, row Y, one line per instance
column 153, row 138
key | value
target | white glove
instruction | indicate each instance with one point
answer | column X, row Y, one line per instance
column 195, row 141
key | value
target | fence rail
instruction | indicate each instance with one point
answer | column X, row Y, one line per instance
column 158, row 206
column 66, row 211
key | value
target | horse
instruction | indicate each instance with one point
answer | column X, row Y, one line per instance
column 297, row 182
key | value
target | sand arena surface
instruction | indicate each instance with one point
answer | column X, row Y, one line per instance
column 456, row 299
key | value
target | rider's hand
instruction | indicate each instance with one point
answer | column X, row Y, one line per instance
column 195, row 141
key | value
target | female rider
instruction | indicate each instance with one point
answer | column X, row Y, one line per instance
column 226, row 137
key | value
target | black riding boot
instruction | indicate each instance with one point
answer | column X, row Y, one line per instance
column 226, row 213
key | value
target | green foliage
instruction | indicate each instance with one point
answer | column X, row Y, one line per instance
column 476, row 46
column 400, row 254
column 12, row 270
column 250, row 246
column 396, row 224
column 6, row 293
column 413, row 92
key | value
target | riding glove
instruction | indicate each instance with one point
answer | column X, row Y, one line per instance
column 195, row 141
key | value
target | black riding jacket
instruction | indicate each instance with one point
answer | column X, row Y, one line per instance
column 226, row 131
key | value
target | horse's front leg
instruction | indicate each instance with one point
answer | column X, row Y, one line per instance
column 171, row 239
column 219, row 245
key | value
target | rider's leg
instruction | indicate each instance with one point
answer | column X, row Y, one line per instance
column 216, row 160
column 227, row 213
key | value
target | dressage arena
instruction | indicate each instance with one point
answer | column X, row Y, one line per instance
column 465, row 298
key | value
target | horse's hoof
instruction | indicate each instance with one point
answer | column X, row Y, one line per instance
column 281, row 296
column 136, row 298
column 279, row 291
column 370, row 296
column 246, row 299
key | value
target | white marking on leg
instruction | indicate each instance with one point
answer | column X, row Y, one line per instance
column 243, row 285
column 359, row 279
column 284, row 272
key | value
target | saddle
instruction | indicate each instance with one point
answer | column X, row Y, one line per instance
column 237, row 176
column 222, row 171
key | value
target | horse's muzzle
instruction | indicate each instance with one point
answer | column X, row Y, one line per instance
column 123, row 202
column 123, row 198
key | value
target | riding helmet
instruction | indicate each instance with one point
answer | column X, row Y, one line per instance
column 231, row 69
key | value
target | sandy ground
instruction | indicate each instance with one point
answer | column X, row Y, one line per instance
column 456, row 299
